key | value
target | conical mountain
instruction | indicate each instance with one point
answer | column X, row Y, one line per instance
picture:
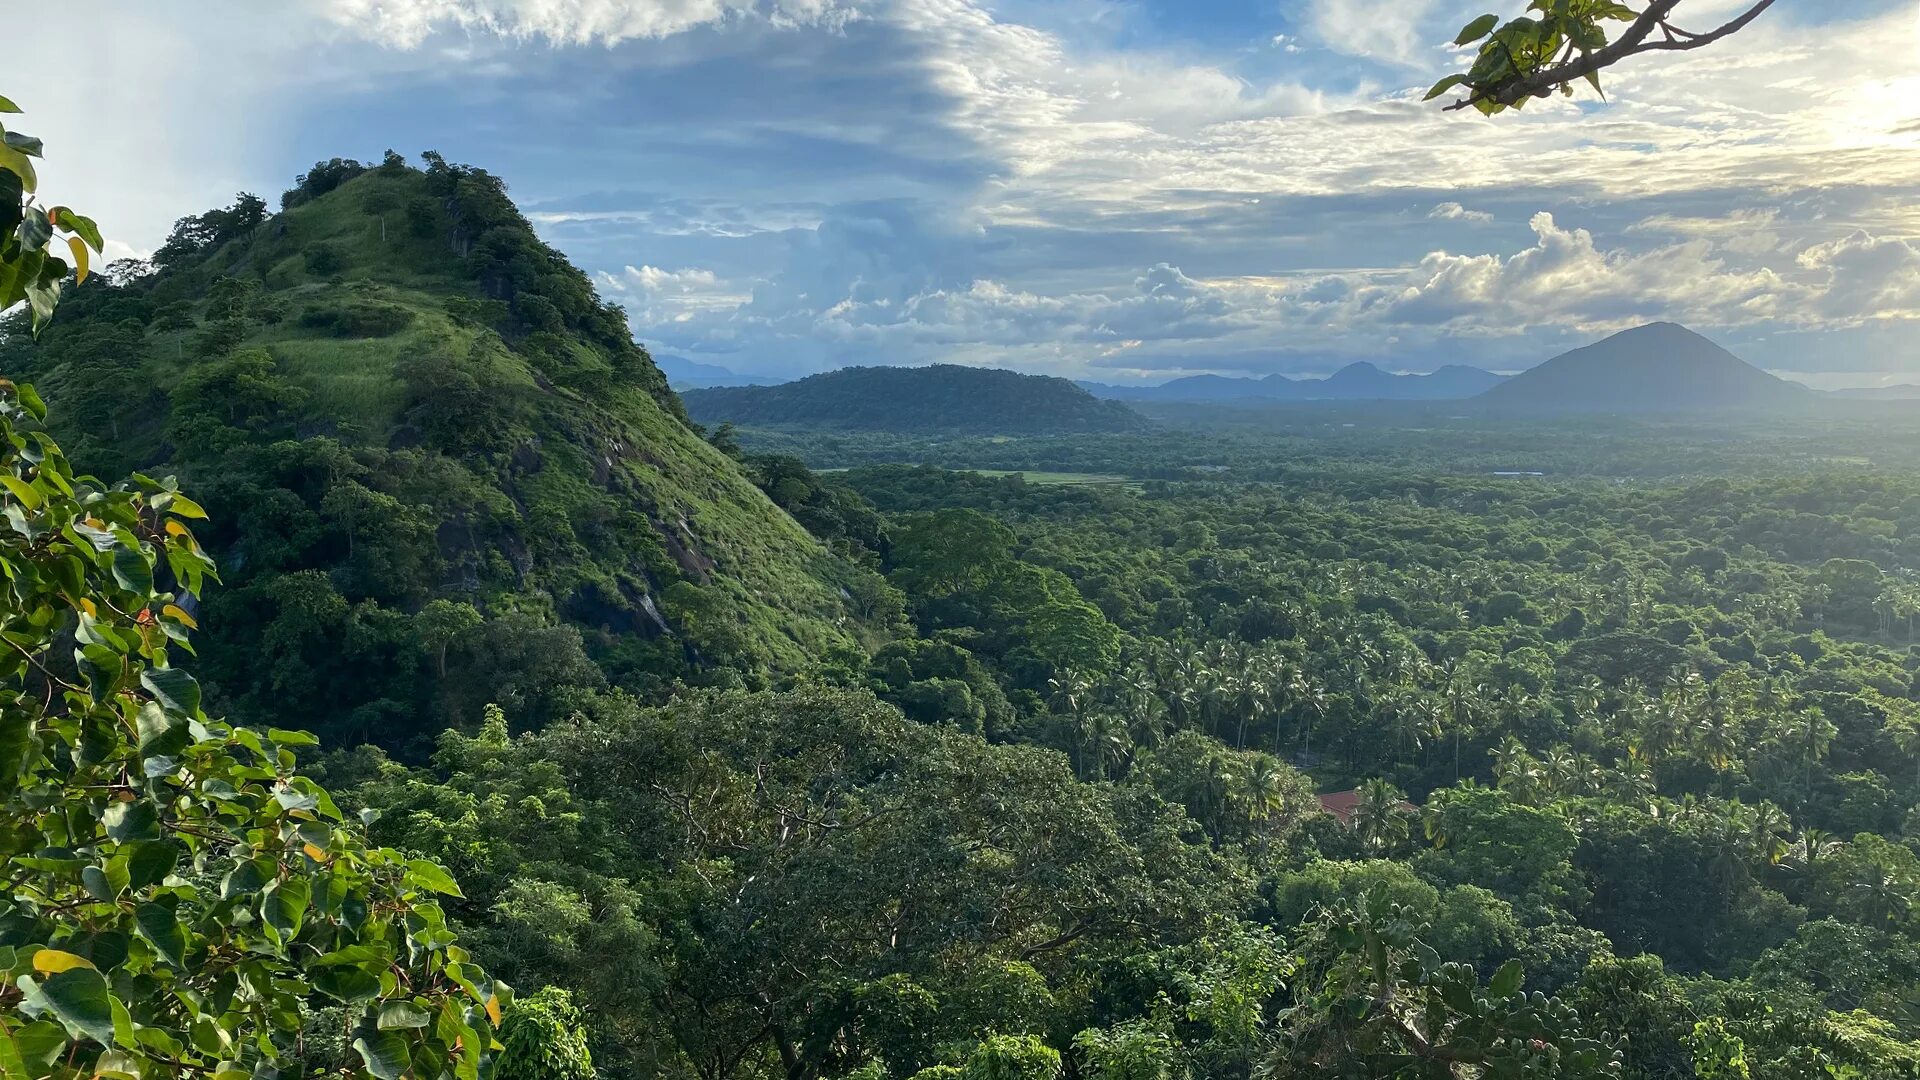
column 441, row 473
column 1659, row 367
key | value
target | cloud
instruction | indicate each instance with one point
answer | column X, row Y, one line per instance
column 1453, row 211
column 1565, row 280
column 1391, row 31
column 1866, row 278
column 654, row 296
column 407, row 23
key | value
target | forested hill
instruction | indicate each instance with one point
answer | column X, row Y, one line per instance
column 944, row 398
column 1656, row 368
column 440, row 472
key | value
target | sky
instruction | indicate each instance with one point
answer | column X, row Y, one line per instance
column 1119, row 190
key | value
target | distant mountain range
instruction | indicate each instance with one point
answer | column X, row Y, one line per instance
column 1657, row 368
column 1896, row 392
column 1356, row 382
column 685, row 374
column 943, row 399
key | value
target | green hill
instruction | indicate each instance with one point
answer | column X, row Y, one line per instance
column 414, row 422
column 942, row 399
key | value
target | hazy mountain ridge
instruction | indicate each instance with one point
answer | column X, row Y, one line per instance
column 943, row 398
column 1360, row 381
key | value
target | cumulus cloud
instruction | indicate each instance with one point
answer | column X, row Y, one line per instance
column 1866, row 277
column 1564, row 279
column 654, row 296
column 1453, row 211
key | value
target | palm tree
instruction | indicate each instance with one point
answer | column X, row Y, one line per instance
column 1810, row 733
column 1884, row 895
column 1465, row 699
column 1379, row 818
column 1811, row 846
column 1767, row 830
column 1264, row 786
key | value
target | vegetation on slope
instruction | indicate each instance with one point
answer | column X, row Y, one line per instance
column 442, row 472
column 944, row 398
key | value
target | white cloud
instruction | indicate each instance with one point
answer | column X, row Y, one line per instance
column 1390, row 31
column 407, row 23
column 1866, row 277
column 1565, row 280
column 1453, row 211
column 654, row 296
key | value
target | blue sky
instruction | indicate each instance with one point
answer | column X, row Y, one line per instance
column 1094, row 188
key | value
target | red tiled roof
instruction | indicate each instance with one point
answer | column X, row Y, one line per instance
column 1343, row 804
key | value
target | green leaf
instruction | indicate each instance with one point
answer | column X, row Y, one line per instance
column 173, row 688
column 346, row 984
column 1444, row 85
column 1477, row 29
column 161, row 927
column 136, row 820
column 385, row 1053
column 185, row 507
column 76, row 997
column 131, row 571
column 429, row 875
column 285, row 905
column 7, row 106
column 404, row 1014
column 79, row 225
column 35, row 230
column 1506, row 981
column 292, row 738
column 20, row 165
column 26, row 144
column 149, row 862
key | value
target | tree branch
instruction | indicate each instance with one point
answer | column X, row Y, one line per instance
column 1631, row 43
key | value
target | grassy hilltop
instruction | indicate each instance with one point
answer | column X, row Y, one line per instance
column 399, row 401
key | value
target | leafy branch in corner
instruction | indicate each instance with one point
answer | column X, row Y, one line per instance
column 1562, row 42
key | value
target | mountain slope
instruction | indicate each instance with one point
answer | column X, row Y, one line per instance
column 440, row 471
column 1361, row 381
column 1660, row 367
column 944, row 398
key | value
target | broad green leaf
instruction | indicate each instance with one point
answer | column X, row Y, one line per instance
column 34, row 229
column 20, row 489
column 131, row 571
column 77, row 998
column 7, row 106
column 347, row 984
column 149, row 861
column 173, row 688
column 136, row 820
column 1477, row 29
column 404, row 1014
column 20, row 165
column 158, row 924
column 1444, row 85
column 78, row 224
column 429, row 875
column 385, row 1053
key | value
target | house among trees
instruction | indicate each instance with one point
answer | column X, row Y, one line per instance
column 1343, row 805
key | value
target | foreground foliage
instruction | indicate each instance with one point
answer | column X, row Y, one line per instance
column 178, row 900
